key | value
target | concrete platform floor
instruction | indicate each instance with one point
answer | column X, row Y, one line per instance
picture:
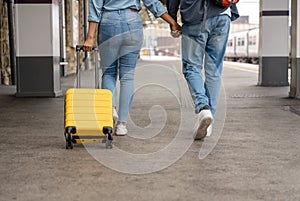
column 256, row 155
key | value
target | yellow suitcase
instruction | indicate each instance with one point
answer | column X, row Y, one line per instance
column 88, row 112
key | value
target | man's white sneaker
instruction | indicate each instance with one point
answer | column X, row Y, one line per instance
column 205, row 119
column 121, row 129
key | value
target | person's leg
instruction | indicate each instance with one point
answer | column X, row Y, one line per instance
column 109, row 46
column 126, row 77
column 193, row 48
column 214, row 54
column 129, row 52
column 132, row 37
column 109, row 78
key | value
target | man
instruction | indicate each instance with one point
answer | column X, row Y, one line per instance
column 205, row 32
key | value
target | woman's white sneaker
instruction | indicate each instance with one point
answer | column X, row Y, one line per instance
column 121, row 130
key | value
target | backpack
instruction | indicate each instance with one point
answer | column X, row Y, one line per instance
column 222, row 3
column 226, row 3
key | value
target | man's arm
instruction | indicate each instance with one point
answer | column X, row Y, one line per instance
column 172, row 7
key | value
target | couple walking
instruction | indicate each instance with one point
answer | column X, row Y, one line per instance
column 204, row 32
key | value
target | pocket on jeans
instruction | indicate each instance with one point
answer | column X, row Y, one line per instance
column 106, row 31
column 223, row 25
column 135, row 23
column 136, row 30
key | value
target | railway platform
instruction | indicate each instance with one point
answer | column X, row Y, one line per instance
column 255, row 158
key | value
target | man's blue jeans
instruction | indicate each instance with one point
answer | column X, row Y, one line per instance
column 205, row 49
column 120, row 40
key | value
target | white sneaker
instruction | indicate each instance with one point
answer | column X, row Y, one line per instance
column 115, row 115
column 205, row 119
column 121, row 129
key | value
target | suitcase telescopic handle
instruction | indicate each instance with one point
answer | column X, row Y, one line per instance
column 95, row 49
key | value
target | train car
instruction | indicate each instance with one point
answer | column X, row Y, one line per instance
column 253, row 40
column 230, row 50
column 243, row 46
column 241, row 49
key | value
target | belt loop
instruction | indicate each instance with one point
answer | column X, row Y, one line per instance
column 119, row 11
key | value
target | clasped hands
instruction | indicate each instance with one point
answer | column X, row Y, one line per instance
column 175, row 30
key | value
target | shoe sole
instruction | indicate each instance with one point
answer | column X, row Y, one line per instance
column 202, row 129
column 120, row 134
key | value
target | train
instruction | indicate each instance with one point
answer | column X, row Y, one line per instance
column 243, row 46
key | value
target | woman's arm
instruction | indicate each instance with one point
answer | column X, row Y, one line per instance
column 89, row 42
column 95, row 12
column 158, row 10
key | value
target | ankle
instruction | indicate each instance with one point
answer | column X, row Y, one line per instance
column 205, row 107
column 121, row 123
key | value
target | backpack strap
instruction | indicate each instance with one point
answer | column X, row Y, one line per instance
column 226, row 3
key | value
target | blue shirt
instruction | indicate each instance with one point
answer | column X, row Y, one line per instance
column 192, row 11
column 97, row 6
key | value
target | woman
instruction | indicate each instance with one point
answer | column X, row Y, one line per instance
column 120, row 38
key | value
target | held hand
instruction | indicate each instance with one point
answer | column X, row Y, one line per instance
column 175, row 27
column 88, row 45
column 175, row 30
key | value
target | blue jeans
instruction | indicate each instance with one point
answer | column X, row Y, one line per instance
column 205, row 49
column 120, row 40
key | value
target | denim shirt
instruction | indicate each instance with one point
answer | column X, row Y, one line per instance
column 97, row 6
column 192, row 11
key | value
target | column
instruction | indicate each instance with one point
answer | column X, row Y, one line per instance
column 274, row 43
column 37, row 52
column 295, row 50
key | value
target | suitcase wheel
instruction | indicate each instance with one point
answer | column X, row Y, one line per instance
column 107, row 130
column 70, row 130
column 69, row 141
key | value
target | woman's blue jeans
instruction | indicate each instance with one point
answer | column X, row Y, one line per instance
column 205, row 49
column 120, row 40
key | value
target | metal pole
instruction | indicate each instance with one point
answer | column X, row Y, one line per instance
column 62, row 70
column 84, row 20
column 11, row 41
column 78, row 48
column 295, row 51
column 96, row 68
column 86, row 54
column 62, row 37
